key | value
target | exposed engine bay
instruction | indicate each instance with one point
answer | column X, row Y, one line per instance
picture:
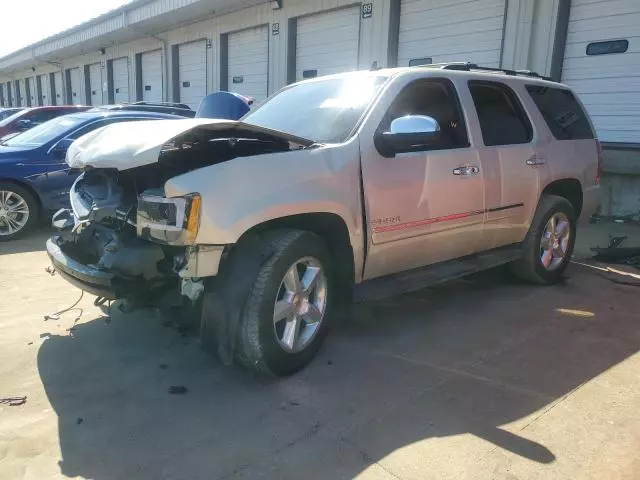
column 121, row 227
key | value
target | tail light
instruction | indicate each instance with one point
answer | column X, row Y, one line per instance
column 600, row 162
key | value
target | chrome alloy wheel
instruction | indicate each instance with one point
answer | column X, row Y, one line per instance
column 14, row 212
column 554, row 243
column 300, row 305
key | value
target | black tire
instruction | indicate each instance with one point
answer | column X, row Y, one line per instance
column 530, row 267
column 32, row 204
column 258, row 347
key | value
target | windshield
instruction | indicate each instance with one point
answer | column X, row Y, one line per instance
column 325, row 111
column 12, row 117
column 45, row 132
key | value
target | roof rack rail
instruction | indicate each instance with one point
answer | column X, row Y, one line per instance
column 468, row 66
column 163, row 104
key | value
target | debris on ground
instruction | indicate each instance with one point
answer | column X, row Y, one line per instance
column 79, row 420
column 13, row 401
column 177, row 390
column 56, row 315
column 616, row 253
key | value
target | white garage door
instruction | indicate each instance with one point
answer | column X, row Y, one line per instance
column 58, row 97
column 121, row 80
column 45, row 89
column 151, row 63
column 75, row 98
column 32, row 93
column 249, row 62
column 434, row 31
column 95, row 84
column 22, row 96
column 192, row 72
column 327, row 43
column 10, row 95
column 607, row 83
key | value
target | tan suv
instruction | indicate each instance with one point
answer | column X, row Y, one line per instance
column 358, row 185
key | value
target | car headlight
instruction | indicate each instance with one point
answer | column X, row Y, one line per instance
column 173, row 221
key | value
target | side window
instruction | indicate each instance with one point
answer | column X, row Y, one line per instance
column 562, row 112
column 435, row 98
column 45, row 115
column 502, row 118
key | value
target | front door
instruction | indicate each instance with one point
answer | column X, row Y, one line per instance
column 425, row 205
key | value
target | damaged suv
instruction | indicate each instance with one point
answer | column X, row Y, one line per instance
column 357, row 185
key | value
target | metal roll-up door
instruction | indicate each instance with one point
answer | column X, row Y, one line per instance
column 434, row 31
column 45, row 90
column 121, row 80
column 152, row 79
column 602, row 64
column 75, row 95
column 20, row 93
column 32, row 99
column 248, row 62
column 327, row 43
column 58, row 96
column 10, row 94
column 95, row 84
column 192, row 72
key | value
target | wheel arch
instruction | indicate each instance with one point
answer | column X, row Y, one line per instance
column 26, row 186
column 569, row 188
column 331, row 228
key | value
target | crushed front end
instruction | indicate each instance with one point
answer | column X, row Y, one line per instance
column 123, row 238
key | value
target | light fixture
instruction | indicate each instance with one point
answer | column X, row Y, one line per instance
column 102, row 51
column 33, row 69
column 276, row 4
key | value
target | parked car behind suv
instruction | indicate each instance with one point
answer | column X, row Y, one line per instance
column 358, row 185
column 31, row 117
column 34, row 177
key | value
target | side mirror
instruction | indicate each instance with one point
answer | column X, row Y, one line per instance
column 59, row 150
column 408, row 133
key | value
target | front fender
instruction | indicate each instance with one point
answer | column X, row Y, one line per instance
column 244, row 192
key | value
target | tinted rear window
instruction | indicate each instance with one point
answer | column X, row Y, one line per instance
column 562, row 112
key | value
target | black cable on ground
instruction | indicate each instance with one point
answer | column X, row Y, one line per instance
column 56, row 315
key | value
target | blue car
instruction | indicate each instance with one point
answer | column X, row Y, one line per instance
column 34, row 178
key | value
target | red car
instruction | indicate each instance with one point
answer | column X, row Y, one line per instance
column 30, row 117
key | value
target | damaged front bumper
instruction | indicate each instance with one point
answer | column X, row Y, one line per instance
column 88, row 278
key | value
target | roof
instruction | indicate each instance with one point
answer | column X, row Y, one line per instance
column 134, row 20
column 123, row 114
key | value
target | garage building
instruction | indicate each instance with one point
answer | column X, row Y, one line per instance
column 180, row 50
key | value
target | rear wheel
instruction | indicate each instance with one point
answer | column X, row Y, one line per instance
column 286, row 316
column 18, row 211
column 549, row 243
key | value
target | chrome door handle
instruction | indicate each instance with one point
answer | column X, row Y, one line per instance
column 534, row 160
column 466, row 170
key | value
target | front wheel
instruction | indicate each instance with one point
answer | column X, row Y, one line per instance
column 18, row 211
column 286, row 316
column 549, row 243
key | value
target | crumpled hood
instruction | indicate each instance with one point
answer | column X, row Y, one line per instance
column 127, row 145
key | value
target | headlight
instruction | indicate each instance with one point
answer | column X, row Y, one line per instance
column 173, row 221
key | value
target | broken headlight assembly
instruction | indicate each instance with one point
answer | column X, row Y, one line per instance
column 173, row 221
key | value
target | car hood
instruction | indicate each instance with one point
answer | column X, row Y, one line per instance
column 127, row 145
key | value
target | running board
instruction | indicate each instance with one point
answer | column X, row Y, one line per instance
column 419, row 278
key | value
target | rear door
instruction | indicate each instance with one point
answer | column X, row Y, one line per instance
column 424, row 205
column 509, row 156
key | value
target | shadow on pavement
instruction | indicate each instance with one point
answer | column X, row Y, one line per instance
column 33, row 241
column 482, row 356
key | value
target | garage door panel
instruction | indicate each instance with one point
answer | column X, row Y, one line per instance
column 120, row 68
column 95, row 84
column 328, row 42
column 45, row 86
column 192, row 72
column 445, row 31
column 76, row 92
column 59, row 93
column 33, row 94
column 583, row 10
column 608, row 85
column 152, row 76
